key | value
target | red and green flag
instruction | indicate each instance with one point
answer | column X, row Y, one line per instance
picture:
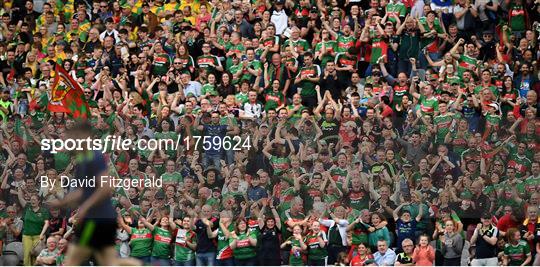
column 67, row 96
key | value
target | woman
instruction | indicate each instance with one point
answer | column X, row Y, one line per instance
column 225, row 88
column 516, row 252
column 31, row 61
column 508, row 95
column 316, row 242
column 186, row 61
column 166, row 132
column 363, row 254
column 209, row 88
column 185, row 243
column 270, row 227
column 35, row 225
column 224, row 256
column 451, row 244
column 244, row 245
column 162, row 238
column 297, row 245
column 376, row 232
column 203, row 17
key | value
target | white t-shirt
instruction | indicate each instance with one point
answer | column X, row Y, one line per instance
column 279, row 18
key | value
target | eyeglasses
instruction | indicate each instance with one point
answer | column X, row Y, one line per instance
column 104, row 6
column 177, row 63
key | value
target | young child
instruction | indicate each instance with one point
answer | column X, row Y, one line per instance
column 424, row 254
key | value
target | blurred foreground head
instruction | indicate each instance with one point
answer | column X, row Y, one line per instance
column 81, row 130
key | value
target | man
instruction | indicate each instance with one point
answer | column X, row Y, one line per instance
column 384, row 256
column 208, row 62
column 306, row 80
column 525, row 81
column 530, row 230
column 480, row 200
column 12, row 225
column 206, row 249
column 6, row 106
column 95, row 212
column 48, row 255
column 214, row 130
column 147, row 17
column 485, row 238
column 405, row 258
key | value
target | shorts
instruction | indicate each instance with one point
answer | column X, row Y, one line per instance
column 96, row 233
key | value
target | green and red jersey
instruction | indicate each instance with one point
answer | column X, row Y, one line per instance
column 182, row 252
column 431, row 43
column 517, row 17
column 162, row 242
column 244, row 249
column 141, row 242
column 517, row 254
column 224, row 250
column 315, row 251
column 345, row 42
column 308, row 87
column 161, row 64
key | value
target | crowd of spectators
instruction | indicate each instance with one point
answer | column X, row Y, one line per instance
column 360, row 132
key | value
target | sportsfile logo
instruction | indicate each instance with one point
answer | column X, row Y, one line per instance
column 109, row 143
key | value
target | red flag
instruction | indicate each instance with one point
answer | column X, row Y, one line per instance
column 67, row 96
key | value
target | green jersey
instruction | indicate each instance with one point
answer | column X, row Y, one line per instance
column 307, row 88
column 279, row 164
column 182, row 252
column 429, row 105
column 170, row 136
column 241, row 97
column 345, row 42
column 466, row 63
column 431, row 43
column 141, row 242
column 237, row 49
column 161, row 64
column 397, row 9
column 34, row 220
column 255, row 65
column 208, row 63
column 235, row 70
column 299, row 45
column 208, row 88
column 244, row 249
column 517, row 17
column 162, row 242
column 172, row 177
column 224, row 250
column 330, row 47
column 517, row 254
column 315, row 251
column 443, row 123
column 295, row 256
